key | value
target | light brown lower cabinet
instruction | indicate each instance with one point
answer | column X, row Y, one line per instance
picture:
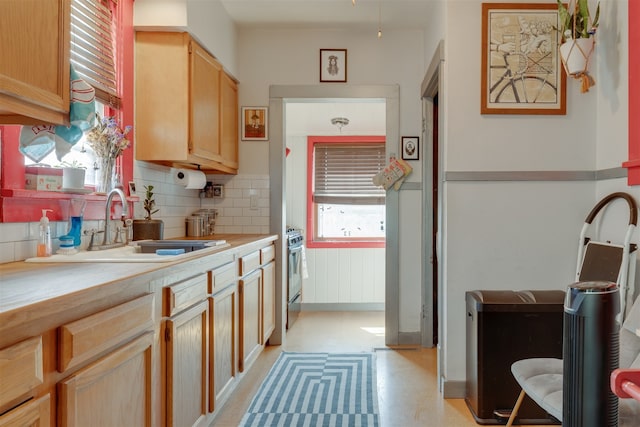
column 224, row 329
column 186, row 366
column 169, row 355
column 113, row 391
column 34, row 413
column 250, row 318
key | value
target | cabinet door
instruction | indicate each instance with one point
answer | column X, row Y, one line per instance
column 35, row 413
column 162, row 98
column 223, row 344
column 34, row 64
column 114, row 391
column 268, row 301
column 228, row 121
column 205, row 113
column 250, row 318
column 187, row 353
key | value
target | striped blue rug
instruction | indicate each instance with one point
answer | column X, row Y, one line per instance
column 317, row 389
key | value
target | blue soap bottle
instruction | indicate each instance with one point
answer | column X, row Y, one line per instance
column 76, row 214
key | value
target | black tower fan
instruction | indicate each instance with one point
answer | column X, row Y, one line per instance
column 590, row 354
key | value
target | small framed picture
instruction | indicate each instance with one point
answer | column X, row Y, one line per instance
column 255, row 124
column 410, row 148
column 218, row 190
column 333, row 65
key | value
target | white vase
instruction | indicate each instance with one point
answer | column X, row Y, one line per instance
column 575, row 55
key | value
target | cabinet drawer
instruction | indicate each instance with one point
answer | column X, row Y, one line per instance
column 222, row 276
column 267, row 254
column 21, row 369
column 184, row 294
column 83, row 339
column 33, row 413
column 249, row 262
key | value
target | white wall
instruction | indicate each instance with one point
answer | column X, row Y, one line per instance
column 210, row 24
column 207, row 21
column 612, row 87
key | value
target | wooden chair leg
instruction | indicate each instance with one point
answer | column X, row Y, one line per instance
column 514, row 412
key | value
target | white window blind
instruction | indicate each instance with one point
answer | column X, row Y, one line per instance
column 93, row 47
column 343, row 173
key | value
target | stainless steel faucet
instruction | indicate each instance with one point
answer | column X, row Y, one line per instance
column 107, row 242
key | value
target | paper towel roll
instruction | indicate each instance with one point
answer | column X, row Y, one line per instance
column 190, row 179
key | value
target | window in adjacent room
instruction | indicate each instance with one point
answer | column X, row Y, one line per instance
column 345, row 209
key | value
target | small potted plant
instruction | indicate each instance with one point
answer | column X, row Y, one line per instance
column 72, row 175
column 148, row 228
column 578, row 29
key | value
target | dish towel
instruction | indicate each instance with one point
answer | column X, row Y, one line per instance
column 305, row 271
column 36, row 142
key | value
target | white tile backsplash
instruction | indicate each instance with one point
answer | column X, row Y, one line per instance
column 235, row 215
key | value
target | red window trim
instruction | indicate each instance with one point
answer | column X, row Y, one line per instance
column 633, row 164
column 310, row 243
column 20, row 205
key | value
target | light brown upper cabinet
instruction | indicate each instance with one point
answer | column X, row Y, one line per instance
column 186, row 105
column 34, row 63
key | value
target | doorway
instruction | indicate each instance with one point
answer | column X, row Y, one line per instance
column 340, row 212
column 279, row 97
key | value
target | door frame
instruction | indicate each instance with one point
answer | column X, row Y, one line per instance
column 278, row 96
column 432, row 85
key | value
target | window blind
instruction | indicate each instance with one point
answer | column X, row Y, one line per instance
column 343, row 173
column 93, row 50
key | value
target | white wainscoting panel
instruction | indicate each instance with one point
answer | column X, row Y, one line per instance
column 344, row 276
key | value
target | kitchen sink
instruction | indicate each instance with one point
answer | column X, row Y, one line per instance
column 140, row 251
column 151, row 246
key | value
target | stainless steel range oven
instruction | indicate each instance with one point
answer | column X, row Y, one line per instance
column 294, row 274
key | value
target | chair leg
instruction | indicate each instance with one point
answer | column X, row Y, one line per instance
column 514, row 412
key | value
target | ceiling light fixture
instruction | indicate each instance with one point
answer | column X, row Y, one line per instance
column 379, row 20
column 340, row 122
column 353, row 2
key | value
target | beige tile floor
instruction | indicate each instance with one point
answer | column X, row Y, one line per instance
column 407, row 381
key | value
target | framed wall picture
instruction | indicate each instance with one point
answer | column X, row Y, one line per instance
column 522, row 72
column 410, row 148
column 255, row 124
column 333, row 65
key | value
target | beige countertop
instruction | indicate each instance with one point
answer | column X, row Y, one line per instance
column 30, row 284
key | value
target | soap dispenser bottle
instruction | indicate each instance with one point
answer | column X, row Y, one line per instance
column 44, row 236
